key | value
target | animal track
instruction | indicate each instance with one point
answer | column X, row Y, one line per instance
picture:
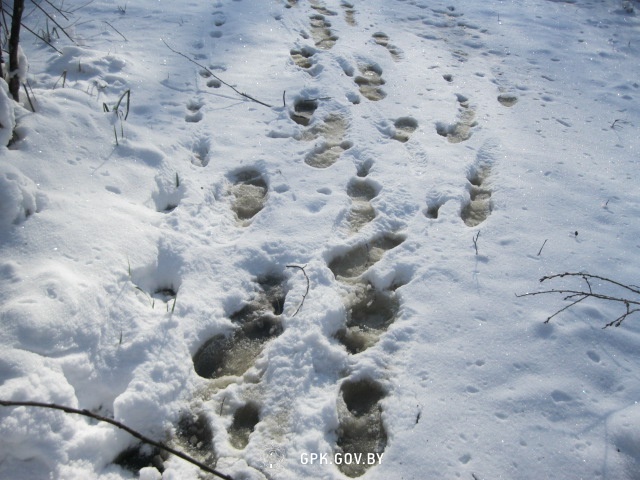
column 361, row 213
column 250, row 191
column 405, row 126
column 219, row 19
column 245, row 420
column 370, row 312
column 383, row 40
column 211, row 82
column 256, row 323
column 358, row 260
column 194, row 114
column 327, row 153
column 479, row 207
column 360, row 430
column 461, row 130
column 303, row 111
column 321, row 33
column 369, row 82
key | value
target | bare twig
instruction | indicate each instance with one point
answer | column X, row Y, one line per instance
column 215, row 76
column 543, row 244
column 306, row 292
column 34, row 33
column 24, row 85
column 116, row 30
column 475, row 241
column 55, row 22
column 121, row 426
column 632, row 305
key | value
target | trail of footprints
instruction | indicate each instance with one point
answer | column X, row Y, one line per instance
column 369, row 311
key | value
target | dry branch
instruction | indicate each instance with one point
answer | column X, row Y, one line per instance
column 130, row 431
column 215, row 76
column 575, row 296
column 306, row 292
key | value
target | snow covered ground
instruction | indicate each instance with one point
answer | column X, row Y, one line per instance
column 256, row 285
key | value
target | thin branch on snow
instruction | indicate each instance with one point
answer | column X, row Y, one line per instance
column 130, row 431
column 576, row 296
column 306, row 292
column 242, row 94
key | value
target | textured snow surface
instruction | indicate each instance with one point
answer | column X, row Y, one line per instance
column 255, row 285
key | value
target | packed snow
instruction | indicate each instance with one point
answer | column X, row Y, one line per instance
column 289, row 238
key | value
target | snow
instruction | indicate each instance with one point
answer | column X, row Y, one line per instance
column 136, row 253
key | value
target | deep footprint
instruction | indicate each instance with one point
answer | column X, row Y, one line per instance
column 383, row 40
column 303, row 111
column 321, row 33
column 362, row 212
column 461, row 130
column 250, row 191
column 358, row 260
column 369, row 315
column 245, row 420
column 361, row 430
column 349, row 13
column 479, row 207
column 194, row 114
column 369, row 82
column 333, row 130
column 302, row 57
column 194, row 434
column 257, row 323
column 405, row 126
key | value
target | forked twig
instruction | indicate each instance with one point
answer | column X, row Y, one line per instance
column 306, row 292
column 576, row 296
column 121, row 426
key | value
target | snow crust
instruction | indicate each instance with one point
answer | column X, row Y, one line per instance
column 316, row 257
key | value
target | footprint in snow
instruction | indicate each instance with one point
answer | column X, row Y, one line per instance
column 507, row 99
column 303, row 111
column 369, row 82
column 349, row 13
column 200, row 150
column 194, row 114
column 332, row 131
column 250, row 192
column 244, row 423
column 478, row 208
column 360, row 430
column 321, row 9
column 459, row 131
column 361, row 193
column 194, row 435
column 303, row 58
column 255, row 324
column 404, row 127
column 212, row 82
column 383, row 40
column 219, row 19
column 360, row 258
column 321, row 33
column 370, row 312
